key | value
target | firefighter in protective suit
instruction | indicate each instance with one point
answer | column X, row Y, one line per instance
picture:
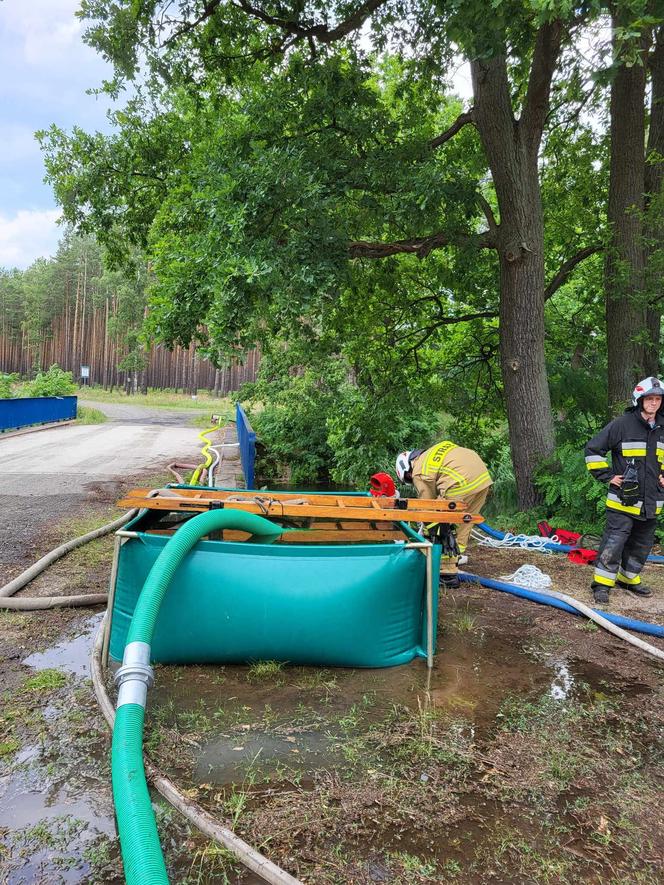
column 635, row 494
column 446, row 470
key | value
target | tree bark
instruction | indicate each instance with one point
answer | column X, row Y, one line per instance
column 654, row 197
column 512, row 149
column 624, row 267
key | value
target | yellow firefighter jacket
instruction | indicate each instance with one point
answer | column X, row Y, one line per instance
column 448, row 471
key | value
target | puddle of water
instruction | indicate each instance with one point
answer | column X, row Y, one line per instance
column 225, row 761
column 70, row 655
column 23, row 805
column 295, row 719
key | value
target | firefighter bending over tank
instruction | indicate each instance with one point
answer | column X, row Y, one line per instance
column 448, row 471
column 635, row 494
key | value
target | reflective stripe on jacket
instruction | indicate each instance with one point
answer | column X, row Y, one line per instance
column 446, row 470
column 630, row 438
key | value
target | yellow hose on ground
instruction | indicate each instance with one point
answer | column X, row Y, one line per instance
column 205, row 451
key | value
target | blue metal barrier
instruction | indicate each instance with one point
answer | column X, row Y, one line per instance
column 21, row 412
column 247, row 439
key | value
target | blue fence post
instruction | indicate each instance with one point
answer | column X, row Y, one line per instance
column 246, row 437
column 23, row 411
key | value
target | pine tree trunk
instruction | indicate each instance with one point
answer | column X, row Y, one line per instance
column 193, row 375
column 105, row 366
column 74, row 339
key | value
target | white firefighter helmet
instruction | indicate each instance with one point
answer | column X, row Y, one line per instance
column 648, row 387
column 403, row 465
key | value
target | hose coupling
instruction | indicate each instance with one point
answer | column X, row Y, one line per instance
column 135, row 675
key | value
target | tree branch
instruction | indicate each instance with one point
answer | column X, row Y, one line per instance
column 461, row 121
column 448, row 321
column 566, row 269
column 419, row 246
column 538, row 94
column 488, row 213
column 319, row 32
column 208, row 10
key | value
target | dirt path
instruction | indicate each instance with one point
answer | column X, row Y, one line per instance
column 66, row 459
column 62, row 472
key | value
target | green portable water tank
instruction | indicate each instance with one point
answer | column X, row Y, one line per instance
column 346, row 605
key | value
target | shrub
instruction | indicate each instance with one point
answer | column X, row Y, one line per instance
column 6, row 385
column 55, row 382
column 571, row 494
column 86, row 415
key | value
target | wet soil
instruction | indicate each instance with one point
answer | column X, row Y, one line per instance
column 533, row 752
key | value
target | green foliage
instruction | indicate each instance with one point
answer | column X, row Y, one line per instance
column 570, row 492
column 293, row 432
column 503, row 497
column 54, row 382
column 366, row 431
column 7, row 385
column 292, row 423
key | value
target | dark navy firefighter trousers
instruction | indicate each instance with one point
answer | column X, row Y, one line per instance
column 625, row 546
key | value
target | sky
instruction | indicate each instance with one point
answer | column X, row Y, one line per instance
column 45, row 69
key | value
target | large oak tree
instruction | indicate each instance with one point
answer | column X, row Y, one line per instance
column 249, row 209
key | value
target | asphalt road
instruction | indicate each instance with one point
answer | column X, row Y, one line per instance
column 64, row 460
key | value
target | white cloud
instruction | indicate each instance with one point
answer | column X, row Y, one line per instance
column 45, row 36
column 462, row 82
column 30, row 234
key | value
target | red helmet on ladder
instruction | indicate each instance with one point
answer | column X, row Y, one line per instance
column 382, row 485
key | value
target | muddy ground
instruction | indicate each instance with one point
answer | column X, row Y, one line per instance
column 532, row 753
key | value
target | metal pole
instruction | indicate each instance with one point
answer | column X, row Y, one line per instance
column 111, row 595
column 427, row 548
column 427, row 553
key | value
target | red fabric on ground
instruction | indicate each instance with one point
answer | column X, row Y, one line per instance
column 566, row 537
column 582, row 556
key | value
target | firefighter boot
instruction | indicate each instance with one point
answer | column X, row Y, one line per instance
column 449, row 582
column 600, row 593
column 636, row 589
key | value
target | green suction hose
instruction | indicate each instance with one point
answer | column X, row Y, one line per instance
column 141, row 851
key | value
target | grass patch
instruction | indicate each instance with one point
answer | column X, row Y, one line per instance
column 266, row 671
column 463, row 621
column 46, row 680
column 412, row 868
column 313, row 679
column 161, row 399
column 519, row 859
column 204, row 421
column 88, row 415
column 8, row 747
column 11, row 619
column 212, row 863
column 91, row 556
